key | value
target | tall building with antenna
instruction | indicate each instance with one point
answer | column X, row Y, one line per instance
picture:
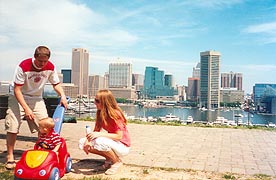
column 80, row 70
column 209, row 79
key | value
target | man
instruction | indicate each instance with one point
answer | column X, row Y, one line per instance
column 27, row 103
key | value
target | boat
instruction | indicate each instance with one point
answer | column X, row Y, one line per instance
column 271, row 125
column 220, row 121
column 238, row 115
column 151, row 119
column 169, row 117
column 190, row 119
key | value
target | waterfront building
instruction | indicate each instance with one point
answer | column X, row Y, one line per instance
column 209, row 79
column 231, row 80
column 265, row 98
column 66, row 75
column 126, row 93
column 182, row 96
column 154, row 84
column 120, row 80
column 231, row 95
column 80, row 70
column 106, row 79
column 138, row 84
column 70, row 90
column 95, row 83
column 120, row 75
column 169, row 81
column 193, row 90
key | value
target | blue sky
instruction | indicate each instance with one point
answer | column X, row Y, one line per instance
column 166, row 34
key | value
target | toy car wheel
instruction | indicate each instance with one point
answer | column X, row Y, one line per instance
column 68, row 164
column 54, row 174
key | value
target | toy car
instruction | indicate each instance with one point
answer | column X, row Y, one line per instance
column 40, row 163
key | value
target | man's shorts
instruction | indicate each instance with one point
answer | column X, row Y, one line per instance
column 15, row 113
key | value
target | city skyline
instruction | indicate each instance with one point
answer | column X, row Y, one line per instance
column 166, row 34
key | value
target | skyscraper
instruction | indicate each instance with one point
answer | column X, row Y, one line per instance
column 138, row 81
column 196, row 71
column 120, row 75
column 66, row 75
column 231, row 80
column 169, row 81
column 154, row 80
column 209, row 79
column 154, row 84
column 80, row 70
column 96, row 82
column 193, row 89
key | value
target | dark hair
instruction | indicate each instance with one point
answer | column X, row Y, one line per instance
column 42, row 51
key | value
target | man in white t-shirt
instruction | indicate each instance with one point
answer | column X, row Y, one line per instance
column 27, row 102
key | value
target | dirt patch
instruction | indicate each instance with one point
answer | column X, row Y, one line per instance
column 86, row 169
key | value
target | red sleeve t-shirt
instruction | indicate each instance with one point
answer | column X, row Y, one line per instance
column 112, row 127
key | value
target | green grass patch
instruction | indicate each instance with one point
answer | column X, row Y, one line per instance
column 263, row 176
column 229, row 176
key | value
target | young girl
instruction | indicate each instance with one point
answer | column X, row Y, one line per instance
column 114, row 141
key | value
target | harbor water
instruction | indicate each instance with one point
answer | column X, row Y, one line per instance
column 199, row 115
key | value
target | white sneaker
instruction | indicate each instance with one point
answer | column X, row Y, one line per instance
column 114, row 168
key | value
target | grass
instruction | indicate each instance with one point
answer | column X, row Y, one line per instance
column 4, row 174
column 229, row 176
column 178, row 123
column 8, row 175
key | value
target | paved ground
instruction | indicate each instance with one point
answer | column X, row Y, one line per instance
column 205, row 149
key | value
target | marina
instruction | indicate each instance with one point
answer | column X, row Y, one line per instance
column 190, row 115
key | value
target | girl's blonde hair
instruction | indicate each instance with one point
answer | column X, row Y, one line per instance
column 47, row 123
column 109, row 110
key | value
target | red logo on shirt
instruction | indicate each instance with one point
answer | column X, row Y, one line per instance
column 37, row 79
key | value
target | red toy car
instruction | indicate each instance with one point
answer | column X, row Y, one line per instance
column 43, row 164
column 40, row 163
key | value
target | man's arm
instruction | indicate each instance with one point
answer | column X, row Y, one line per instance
column 61, row 93
column 29, row 115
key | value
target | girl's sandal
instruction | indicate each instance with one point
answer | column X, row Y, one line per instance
column 114, row 168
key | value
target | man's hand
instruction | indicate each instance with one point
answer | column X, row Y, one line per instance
column 29, row 115
column 63, row 101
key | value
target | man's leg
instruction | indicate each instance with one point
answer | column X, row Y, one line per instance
column 11, row 138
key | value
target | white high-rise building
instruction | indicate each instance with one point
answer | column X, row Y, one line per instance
column 80, row 70
column 120, row 75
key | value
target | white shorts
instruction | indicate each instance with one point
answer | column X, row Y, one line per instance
column 106, row 144
column 15, row 113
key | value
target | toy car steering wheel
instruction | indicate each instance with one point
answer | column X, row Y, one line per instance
column 44, row 145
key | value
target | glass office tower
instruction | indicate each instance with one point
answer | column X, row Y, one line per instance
column 209, row 79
